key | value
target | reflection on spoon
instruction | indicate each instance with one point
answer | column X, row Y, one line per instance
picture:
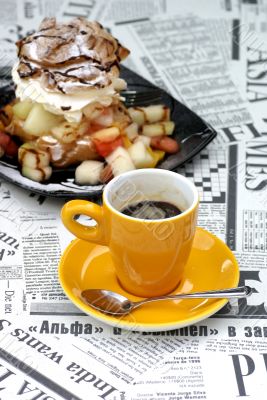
column 113, row 303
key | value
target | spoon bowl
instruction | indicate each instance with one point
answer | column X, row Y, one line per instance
column 114, row 303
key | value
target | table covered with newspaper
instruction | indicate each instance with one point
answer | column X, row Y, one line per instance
column 212, row 56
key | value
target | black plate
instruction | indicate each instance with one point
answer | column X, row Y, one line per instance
column 190, row 130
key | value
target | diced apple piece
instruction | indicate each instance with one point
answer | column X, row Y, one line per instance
column 137, row 115
column 107, row 134
column 140, row 155
column 93, row 110
column 120, row 161
column 150, row 114
column 83, row 128
column 105, row 118
column 132, row 131
column 37, row 175
column 30, row 156
column 156, row 113
column 145, row 139
column 119, row 84
column 88, row 172
column 16, row 128
column 40, row 122
column 65, row 132
column 159, row 129
column 107, row 140
column 22, row 109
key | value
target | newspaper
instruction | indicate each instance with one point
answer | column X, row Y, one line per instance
column 211, row 55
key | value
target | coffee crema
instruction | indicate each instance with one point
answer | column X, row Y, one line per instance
column 151, row 209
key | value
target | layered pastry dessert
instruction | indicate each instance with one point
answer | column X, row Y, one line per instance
column 69, row 109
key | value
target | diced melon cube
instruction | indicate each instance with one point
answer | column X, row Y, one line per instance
column 30, row 156
column 120, row 161
column 132, row 131
column 158, row 129
column 37, row 175
column 88, row 172
column 150, row 114
column 40, row 122
column 140, row 155
column 22, row 109
column 106, row 134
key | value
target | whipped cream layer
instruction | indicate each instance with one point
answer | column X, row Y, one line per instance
column 68, row 66
column 69, row 105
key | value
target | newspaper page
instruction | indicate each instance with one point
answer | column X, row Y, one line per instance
column 249, row 73
column 131, row 365
column 49, row 349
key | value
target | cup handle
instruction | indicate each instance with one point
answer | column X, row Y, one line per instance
column 95, row 234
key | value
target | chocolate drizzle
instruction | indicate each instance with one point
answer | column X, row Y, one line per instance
column 70, row 57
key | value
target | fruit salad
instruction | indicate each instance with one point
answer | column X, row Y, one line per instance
column 69, row 110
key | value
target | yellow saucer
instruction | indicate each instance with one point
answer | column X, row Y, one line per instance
column 211, row 266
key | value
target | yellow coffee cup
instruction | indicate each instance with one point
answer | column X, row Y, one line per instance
column 149, row 255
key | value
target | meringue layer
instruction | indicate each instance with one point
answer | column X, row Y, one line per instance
column 66, row 67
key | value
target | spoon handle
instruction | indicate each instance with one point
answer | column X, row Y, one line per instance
column 235, row 293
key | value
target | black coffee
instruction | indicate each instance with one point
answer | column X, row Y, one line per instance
column 150, row 209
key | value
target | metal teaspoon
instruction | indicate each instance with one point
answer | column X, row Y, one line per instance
column 113, row 303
